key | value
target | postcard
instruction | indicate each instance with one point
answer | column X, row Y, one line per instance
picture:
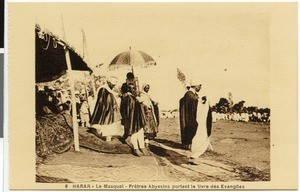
column 152, row 96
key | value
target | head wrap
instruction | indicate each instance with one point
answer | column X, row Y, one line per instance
column 194, row 82
column 145, row 85
column 113, row 80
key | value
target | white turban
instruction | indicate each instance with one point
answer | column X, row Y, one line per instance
column 194, row 82
column 113, row 80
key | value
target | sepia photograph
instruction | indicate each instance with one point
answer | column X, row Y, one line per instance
column 152, row 96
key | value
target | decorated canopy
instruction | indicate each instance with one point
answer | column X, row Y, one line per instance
column 50, row 57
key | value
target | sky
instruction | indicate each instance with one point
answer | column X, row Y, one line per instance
column 224, row 48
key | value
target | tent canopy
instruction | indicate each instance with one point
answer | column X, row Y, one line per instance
column 50, row 57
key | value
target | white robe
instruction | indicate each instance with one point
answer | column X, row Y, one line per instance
column 146, row 100
column 201, row 141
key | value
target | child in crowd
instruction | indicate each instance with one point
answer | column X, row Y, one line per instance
column 84, row 114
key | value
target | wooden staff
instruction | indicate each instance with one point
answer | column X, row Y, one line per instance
column 136, row 82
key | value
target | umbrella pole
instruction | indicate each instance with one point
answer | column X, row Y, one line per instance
column 137, row 80
column 74, row 110
column 138, row 86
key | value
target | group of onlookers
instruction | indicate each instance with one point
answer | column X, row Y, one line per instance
column 50, row 101
column 243, row 117
column 129, row 114
column 54, row 101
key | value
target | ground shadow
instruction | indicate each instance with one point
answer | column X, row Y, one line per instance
column 170, row 143
column 94, row 132
column 90, row 139
column 172, row 156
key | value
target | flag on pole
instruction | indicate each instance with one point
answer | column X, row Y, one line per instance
column 181, row 76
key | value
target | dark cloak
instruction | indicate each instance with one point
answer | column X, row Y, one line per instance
column 188, row 115
column 106, row 109
column 209, row 121
column 133, row 117
column 156, row 112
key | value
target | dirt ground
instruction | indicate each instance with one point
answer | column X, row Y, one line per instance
column 241, row 152
column 246, row 145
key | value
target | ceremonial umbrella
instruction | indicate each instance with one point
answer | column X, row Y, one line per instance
column 130, row 59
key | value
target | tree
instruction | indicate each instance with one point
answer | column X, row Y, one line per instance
column 238, row 107
column 222, row 106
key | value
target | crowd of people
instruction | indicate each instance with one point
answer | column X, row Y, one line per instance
column 129, row 114
column 50, row 100
column 132, row 115
column 242, row 117
column 54, row 126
